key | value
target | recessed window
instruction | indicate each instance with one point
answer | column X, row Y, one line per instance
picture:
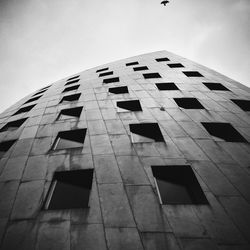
column 223, row 131
column 178, row 185
column 71, row 82
column 100, row 70
column 71, row 88
column 73, row 78
column 25, row 109
column 5, row 146
column 166, row 86
column 163, row 59
column 40, row 92
column 151, row 75
column 45, row 88
column 70, row 98
column 69, row 190
column 132, row 105
column 192, row 74
column 73, row 113
column 106, row 74
column 215, row 86
column 188, row 103
column 119, row 90
column 243, row 104
column 33, row 99
column 140, row 68
column 13, row 125
column 69, row 139
column 175, row 65
column 132, row 63
column 110, row 80
column 145, row 132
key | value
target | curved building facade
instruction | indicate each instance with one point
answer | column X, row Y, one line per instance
column 149, row 152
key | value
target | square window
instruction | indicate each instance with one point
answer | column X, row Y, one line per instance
column 5, row 146
column 215, row 86
column 175, row 65
column 243, row 104
column 25, row 109
column 119, row 90
column 192, row 74
column 33, row 99
column 166, row 86
column 100, row 70
column 106, row 74
column 69, row 139
column 71, row 88
column 73, row 78
column 70, row 98
column 132, row 63
column 69, row 190
column 163, row 59
column 145, row 132
column 188, row 103
column 178, row 185
column 71, row 82
column 110, row 80
column 151, row 75
column 223, row 131
column 10, row 126
column 140, row 68
column 72, row 113
column 132, row 105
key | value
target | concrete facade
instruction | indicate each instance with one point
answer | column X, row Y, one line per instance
column 124, row 209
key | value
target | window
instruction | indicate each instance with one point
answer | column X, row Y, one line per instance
column 40, row 92
column 215, row 86
column 70, row 113
column 132, row 63
column 119, row 90
column 71, row 88
column 140, row 68
column 25, row 109
column 163, row 59
column 151, row 75
column 146, row 132
column 223, row 131
column 175, row 65
column 243, row 104
column 13, row 125
column 132, row 105
column 69, row 139
column 70, row 98
column 192, row 74
column 71, row 82
column 5, row 146
column 166, row 86
column 110, row 80
column 188, row 103
column 69, row 190
column 106, row 74
column 73, row 78
column 45, row 88
column 178, row 185
column 33, row 99
column 100, row 70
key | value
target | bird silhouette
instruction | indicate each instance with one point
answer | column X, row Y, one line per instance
column 164, row 2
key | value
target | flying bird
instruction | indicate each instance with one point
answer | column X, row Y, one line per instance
column 164, row 2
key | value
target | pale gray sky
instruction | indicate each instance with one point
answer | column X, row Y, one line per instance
column 42, row 41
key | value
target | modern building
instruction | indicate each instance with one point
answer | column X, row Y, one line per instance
column 149, row 152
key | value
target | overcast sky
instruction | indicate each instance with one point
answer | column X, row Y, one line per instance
column 42, row 41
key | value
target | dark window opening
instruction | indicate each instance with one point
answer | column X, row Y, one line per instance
column 69, row 139
column 25, row 109
column 70, row 113
column 132, row 105
column 188, row 103
column 243, row 104
column 119, row 90
column 146, row 131
column 69, row 190
column 178, row 185
column 110, row 80
column 45, row 88
column 100, row 70
column 151, row 75
column 163, row 59
column 175, row 65
column 33, row 99
column 70, row 88
column 223, row 131
column 166, row 86
column 73, row 78
column 215, row 86
column 5, row 146
column 140, row 68
column 71, row 82
column 132, row 63
column 106, row 74
column 40, row 92
column 192, row 73
column 13, row 125
column 70, row 98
